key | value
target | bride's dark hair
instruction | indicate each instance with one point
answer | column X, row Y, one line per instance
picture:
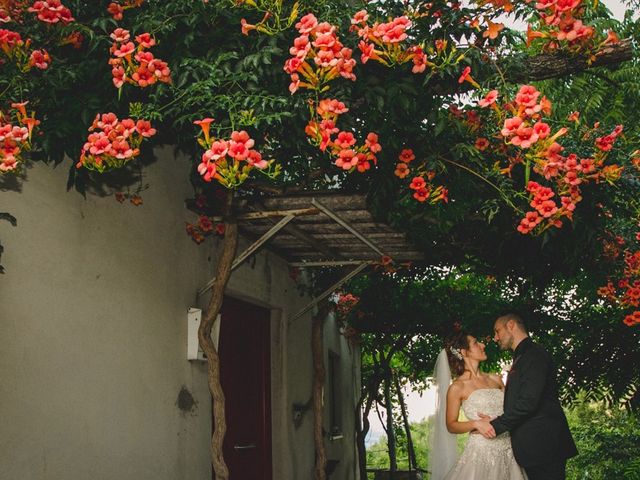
column 458, row 341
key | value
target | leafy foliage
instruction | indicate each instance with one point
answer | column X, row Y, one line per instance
column 592, row 349
column 420, row 431
column 607, row 441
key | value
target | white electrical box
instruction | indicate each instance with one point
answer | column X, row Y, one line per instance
column 194, row 352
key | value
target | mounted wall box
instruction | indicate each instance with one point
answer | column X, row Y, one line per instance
column 194, row 352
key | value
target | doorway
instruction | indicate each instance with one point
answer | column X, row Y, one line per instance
column 245, row 373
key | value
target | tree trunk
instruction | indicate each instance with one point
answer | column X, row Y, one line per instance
column 361, row 433
column 391, row 436
column 407, row 428
column 223, row 272
column 318, row 387
column 369, row 392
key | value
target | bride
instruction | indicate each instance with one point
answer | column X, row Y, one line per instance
column 475, row 392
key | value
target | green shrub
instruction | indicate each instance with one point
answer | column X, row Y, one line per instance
column 607, row 440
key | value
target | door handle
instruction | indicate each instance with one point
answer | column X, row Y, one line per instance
column 244, row 447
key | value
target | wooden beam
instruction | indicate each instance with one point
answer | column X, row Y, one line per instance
column 397, row 256
column 322, row 228
column 337, row 237
column 258, row 215
column 329, row 263
column 335, row 201
column 346, row 244
column 348, row 215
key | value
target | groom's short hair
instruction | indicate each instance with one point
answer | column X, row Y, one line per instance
column 516, row 317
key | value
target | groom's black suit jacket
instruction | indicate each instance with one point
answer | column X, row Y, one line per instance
column 532, row 411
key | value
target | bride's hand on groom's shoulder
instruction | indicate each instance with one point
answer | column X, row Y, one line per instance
column 483, row 426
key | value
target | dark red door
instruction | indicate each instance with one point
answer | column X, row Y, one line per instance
column 245, row 361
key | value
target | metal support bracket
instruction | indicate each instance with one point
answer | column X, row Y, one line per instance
column 331, row 289
column 252, row 249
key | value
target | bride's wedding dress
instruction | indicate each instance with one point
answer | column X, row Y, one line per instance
column 486, row 459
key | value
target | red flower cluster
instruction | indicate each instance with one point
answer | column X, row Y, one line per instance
column 51, row 11
column 10, row 41
column 116, row 9
column 523, row 126
column 204, row 227
column 423, row 190
column 560, row 26
column 526, row 129
column 632, row 319
column 626, row 291
column 16, row 129
column 319, row 43
column 402, row 167
column 229, row 161
column 133, row 64
column 382, row 42
column 40, row 59
column 195, row 234
column 545, row 208
column 606, row 142
column 74, row 39
column 113, row 142
column 323, row 132
column 345, row 304
column 421, row 185
column 17, row 50
column 8, row 12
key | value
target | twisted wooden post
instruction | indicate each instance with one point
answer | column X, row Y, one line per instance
column 223, row 272
column 319, row 375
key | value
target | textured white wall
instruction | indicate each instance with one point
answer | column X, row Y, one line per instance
column 93, row 329
column 92, row 322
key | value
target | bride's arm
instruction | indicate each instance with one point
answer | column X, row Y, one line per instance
column 454, row 401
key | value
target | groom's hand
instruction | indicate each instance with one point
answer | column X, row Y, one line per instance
column 484, row 427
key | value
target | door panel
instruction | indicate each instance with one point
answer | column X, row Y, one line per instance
column 245, row 373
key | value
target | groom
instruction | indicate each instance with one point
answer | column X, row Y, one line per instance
column 540, row 435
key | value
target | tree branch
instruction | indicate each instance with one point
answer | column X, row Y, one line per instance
column 560, row 64
column 519, row 68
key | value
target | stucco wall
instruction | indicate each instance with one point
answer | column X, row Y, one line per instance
column 344, row 449
column 92, row 322
column 93, row 328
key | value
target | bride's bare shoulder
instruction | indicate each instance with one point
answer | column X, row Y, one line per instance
column 457, row 387
column 496, row 379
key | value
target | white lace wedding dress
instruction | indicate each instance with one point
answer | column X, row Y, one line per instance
column 486, row 459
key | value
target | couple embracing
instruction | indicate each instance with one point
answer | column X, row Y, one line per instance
column 518, row 431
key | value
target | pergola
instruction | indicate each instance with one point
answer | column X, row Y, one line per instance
column 319, row 229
